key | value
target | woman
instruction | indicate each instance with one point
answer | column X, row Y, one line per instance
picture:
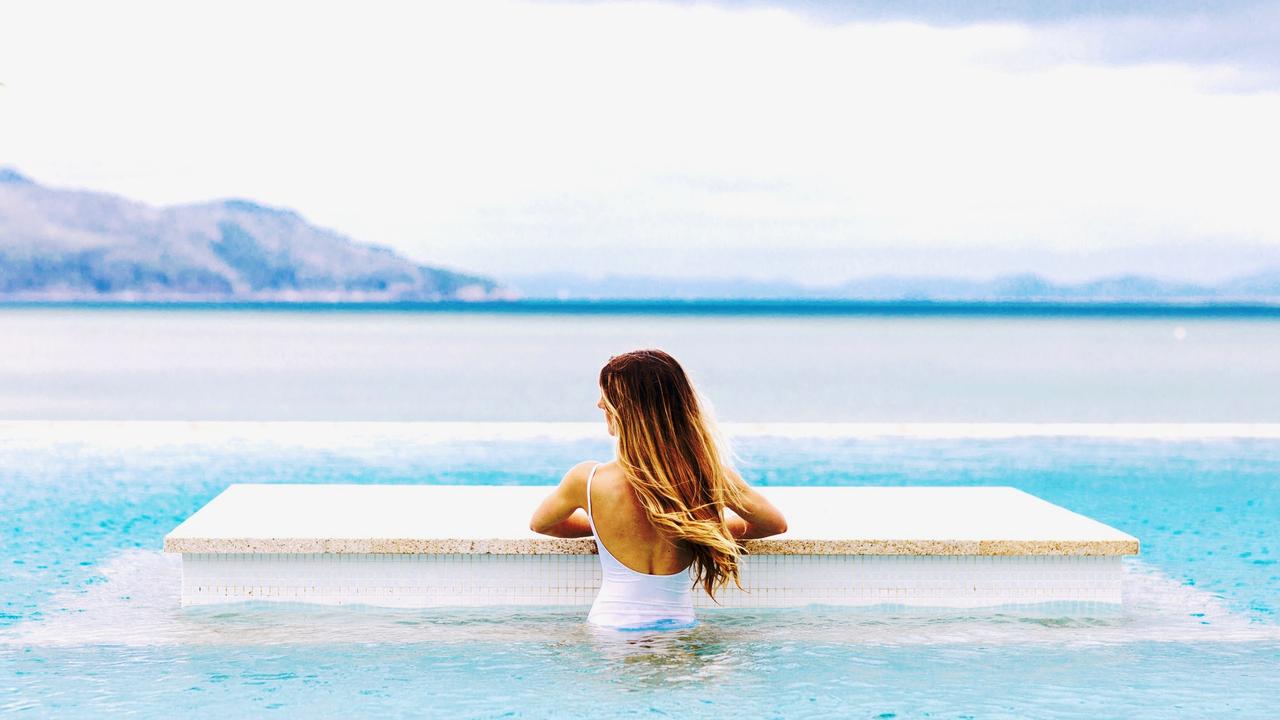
column 657, row 510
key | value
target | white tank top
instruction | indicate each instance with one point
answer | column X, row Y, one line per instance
column 630, row 600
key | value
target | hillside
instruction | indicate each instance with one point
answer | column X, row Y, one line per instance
column 76, row 245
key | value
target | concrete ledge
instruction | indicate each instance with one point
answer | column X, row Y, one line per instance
column 466, row 546
column 455, row 519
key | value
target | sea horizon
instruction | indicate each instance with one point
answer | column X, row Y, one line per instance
column 707, row 306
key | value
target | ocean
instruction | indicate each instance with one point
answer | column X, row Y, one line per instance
column 801, row 363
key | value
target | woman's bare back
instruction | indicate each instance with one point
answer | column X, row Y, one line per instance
column 625, row 530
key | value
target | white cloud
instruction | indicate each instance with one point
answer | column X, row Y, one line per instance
column 511, row 137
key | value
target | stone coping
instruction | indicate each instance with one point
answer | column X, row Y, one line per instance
column 450, row 519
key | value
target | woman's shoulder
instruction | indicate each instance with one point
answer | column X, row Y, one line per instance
column 585, row 466
column 574, row 483
column 580, row 472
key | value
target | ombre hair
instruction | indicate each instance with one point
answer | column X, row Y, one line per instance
column 675, row 459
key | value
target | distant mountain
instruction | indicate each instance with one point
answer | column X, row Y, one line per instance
column 1263, row 287
column 76, row 245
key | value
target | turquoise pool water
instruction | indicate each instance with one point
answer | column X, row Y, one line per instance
column 89, row 622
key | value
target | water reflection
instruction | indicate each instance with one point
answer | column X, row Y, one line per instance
column 658, row 658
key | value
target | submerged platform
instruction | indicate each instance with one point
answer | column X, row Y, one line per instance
column 451, row 545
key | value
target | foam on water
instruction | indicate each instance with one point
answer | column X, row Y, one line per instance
column 136, row 604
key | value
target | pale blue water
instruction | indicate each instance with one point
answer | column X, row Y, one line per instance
column 90, row 621
column 805, row 366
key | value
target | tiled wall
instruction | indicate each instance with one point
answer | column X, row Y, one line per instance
column 960, row 581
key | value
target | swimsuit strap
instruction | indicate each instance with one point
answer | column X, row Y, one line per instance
column 605, row 555
column 590, row 519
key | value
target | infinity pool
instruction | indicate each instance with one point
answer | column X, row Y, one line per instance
column 90, row 623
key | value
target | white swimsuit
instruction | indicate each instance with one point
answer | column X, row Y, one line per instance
column 630, row 600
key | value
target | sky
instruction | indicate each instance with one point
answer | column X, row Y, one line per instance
column 808, row 141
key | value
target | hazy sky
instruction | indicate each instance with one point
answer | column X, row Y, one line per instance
column 810, row 140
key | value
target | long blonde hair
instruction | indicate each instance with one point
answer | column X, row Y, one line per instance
column 671, row 453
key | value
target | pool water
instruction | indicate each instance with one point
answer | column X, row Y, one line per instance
column 90, row 623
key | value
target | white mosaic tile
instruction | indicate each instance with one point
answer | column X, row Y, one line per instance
column 440, row 580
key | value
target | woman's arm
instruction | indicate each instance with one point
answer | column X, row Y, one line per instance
column 757, row 517
column 561, row 513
